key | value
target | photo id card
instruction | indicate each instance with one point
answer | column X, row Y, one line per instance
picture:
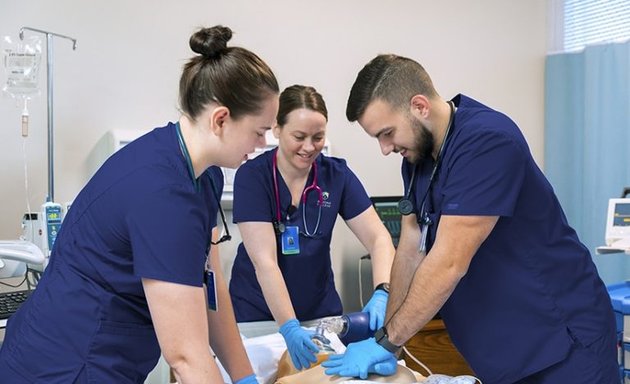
column 213, row 303
column 291, row 241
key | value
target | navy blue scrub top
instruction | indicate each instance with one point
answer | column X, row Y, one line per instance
column 531, row 288
column 140, row 216
column 308, row 275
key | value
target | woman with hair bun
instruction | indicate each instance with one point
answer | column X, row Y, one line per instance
column 135, row 258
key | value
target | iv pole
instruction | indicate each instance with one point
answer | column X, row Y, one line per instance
column 49, row 77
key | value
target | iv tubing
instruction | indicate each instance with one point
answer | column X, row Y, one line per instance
column 49, row 76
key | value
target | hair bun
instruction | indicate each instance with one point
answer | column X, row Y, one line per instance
column 210, row 42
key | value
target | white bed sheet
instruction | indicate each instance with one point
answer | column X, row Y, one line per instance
column 265, row 350
column 264, row 347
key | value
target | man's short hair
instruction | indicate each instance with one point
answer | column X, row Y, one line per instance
column 392, row 78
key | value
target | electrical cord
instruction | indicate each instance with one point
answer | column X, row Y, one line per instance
column 420, row 363
column 13, row 286
column 35, row 275
column 411, row 356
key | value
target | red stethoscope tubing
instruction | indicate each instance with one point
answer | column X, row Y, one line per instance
column 313, row 186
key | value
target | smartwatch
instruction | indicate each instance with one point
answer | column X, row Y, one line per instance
column 383, row 340
column 382, row 287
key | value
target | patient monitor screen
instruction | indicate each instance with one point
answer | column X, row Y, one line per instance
column 387, row 209
column 621, row 216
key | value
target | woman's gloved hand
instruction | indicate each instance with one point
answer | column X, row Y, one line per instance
column 361, row 359
column 251, row 379
column 299, row 344
column 376, row 307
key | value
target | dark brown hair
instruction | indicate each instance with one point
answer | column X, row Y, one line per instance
column 391, row 78
column 300, row 96
column 231, row 76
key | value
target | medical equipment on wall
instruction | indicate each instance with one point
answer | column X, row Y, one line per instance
column 52, row 223
column 41, row 228
column 617, row 226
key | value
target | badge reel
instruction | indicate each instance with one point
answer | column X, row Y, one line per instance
column 289, row 236
column 213, row 303
column 425, row 222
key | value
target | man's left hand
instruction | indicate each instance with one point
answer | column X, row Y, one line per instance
column 376, row 307
column 361, row 359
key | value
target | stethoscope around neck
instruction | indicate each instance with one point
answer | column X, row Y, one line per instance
column 184, row 149
column 405, row 206
column 278, row 224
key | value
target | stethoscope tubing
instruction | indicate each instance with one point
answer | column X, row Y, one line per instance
column 314, row 186
column 405, row 206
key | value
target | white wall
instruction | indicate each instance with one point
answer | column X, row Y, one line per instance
column 125, row 71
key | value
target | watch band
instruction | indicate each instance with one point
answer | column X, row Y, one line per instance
column 382, row 287
column 382, row 339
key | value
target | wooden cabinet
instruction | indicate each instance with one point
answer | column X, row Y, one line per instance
column 433, row 347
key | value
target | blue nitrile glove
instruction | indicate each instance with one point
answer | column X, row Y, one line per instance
column 376, row 307
column 251, row 379
column 299, row 344
column 361, row 359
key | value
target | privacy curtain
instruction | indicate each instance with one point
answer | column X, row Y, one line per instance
column 587, row 141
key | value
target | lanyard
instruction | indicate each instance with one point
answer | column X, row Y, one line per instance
column 191, row 172
column 278, row 224
column 184, row 149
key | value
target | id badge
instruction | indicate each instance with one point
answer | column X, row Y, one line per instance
column 213, row 303
column 291, row 241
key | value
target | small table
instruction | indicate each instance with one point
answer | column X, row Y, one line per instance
column 433, row 347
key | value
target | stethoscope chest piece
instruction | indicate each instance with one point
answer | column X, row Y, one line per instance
column 405, row 206
column 279, row 227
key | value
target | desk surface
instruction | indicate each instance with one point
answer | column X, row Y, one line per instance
column 433, row 347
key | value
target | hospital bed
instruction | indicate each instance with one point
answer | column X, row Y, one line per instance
column 265, row 346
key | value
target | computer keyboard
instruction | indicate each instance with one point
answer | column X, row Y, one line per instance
column 11, row 301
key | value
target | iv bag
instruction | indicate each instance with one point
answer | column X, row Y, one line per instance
column 21, row 59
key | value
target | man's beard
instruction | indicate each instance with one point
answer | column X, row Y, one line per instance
column 423, row 140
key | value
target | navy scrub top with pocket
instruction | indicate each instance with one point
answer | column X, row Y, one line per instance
column 308, row 274
column 140, row 216
column 532, row 281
